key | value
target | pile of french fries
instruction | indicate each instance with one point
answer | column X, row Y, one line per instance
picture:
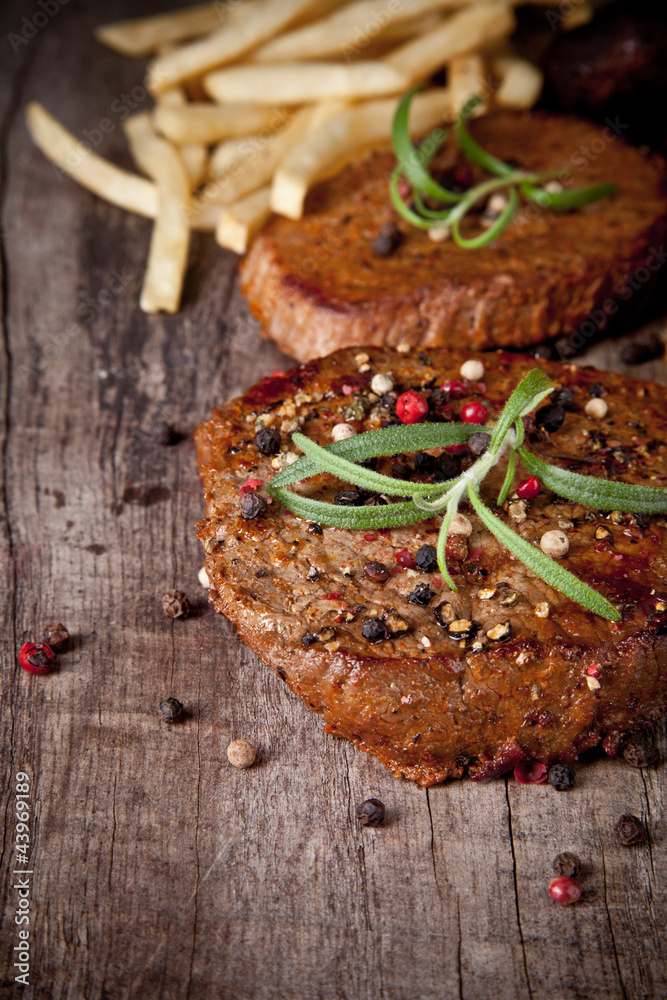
column 257, row 100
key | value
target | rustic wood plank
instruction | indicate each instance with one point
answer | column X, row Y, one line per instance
column 160, row 871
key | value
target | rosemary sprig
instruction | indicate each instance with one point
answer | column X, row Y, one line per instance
column 413, row 162
column 427, row 499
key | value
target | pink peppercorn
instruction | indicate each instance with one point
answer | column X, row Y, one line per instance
column 36, row 657
column 456, row 389
column 474, row 413
column 565, row 890
column 530, row 772
column 411, row 407
column 404, row 559
column 250, row 486
column 529, row 488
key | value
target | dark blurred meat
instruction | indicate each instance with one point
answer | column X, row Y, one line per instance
column 615, row 67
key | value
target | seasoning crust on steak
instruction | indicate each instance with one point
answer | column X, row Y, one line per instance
column 316, row 284
column 427, row 705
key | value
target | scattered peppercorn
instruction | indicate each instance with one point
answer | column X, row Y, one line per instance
column 530, row 772
column 396, row 625
column 56, row 636
column 529, row 488
column 462, row 628
column 444, row 614
column 401, row 470
column 424, row 463
column 349, row 498
column 164, row 434
column 309, row 638
column 643, row 348
column 630, row 830
column 411, row 407
column 499, row 633
column 596, row 408
column 602, row 533
column 639, row 751
column 448, row 467
column 252, row 505
column 554, row 544
column 562, row 397
column 561, row 777
column 597, row 390
column 388, row 239
column 567, row 864
column 267, row 441
column 550, row 417
column 313, row 573
column 315, row 528
column 454, row 389
column 479, row 442
column 371, row 812
column 175, row 604
column 474, row 413
column 327, row 633
column 426, row 559
column 376, row 571
column 374, row 630
column 421, row 595
column 36, row 657
column 171, row 710
column 565, row 890
column 472, row 370
column 241, row 754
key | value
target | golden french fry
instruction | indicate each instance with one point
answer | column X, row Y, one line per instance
column 464, row 32
column 246, row 26
column 208, row 123
column 347, row 30
column 205, row 217
column 521, row 82
column 466, row 77
column 242, row 220
column 74, row 158
column 168, row 253
column 343, row 136
column 195, row 155
column 289, row 83
column 144, row 35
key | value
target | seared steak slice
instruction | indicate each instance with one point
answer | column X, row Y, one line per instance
column 524, row 672
column 318, row 285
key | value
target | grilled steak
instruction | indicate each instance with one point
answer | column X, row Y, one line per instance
column 318, row 284
column 357, row 623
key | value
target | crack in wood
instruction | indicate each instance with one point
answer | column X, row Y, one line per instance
column 516, row 888
column 195, row 894
column 611, row 927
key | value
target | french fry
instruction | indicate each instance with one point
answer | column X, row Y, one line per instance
column 521, row 82
column 288, row 83
column 343, row 136
column 465, row 78
column 72, row 157
column 168, row 253
column 207, row 123
column 142, row 36
column 195, row 155
column 464, row 32
column 205, row 217
column 248, row 25
column 241, row 221
column 346, row 30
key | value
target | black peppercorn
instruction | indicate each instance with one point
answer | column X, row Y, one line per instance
column 479, row 443
column 371, row 812
column 421, row 595
column 644, row 348
column 374, row 630
column 315, row 528
column 171, row 710
column 349, row 498
column 388, row 239
column 368, row 463
column 424, row 463
column 448, row 467
column 164, row 434
column 562, row 397
column 597, row 390
column 252, row 505
column 175, row 604
column 56, row 636
column 309, row 638
column 550, row 417
column 639, row 751
column 267, row 441
column 376, row 571
column 401, row 470
column 426, row 559
column 561, row 777
column 630, row 830
column 568, row 865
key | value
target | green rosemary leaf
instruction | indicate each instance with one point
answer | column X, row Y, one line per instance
column 366, row 478
column 531, row 390
column 413, row 161
column 441, row 549
column 493, row 232
column 400, row 206
column 472, row 149
column 509, row 476
column 391, row 516
column 544, row 567
column 386, row 441
column 602, row 494
column 430, row 213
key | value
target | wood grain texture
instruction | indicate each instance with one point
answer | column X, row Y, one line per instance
column 161, row 872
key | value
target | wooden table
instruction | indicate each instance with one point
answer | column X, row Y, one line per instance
column 159, row 871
